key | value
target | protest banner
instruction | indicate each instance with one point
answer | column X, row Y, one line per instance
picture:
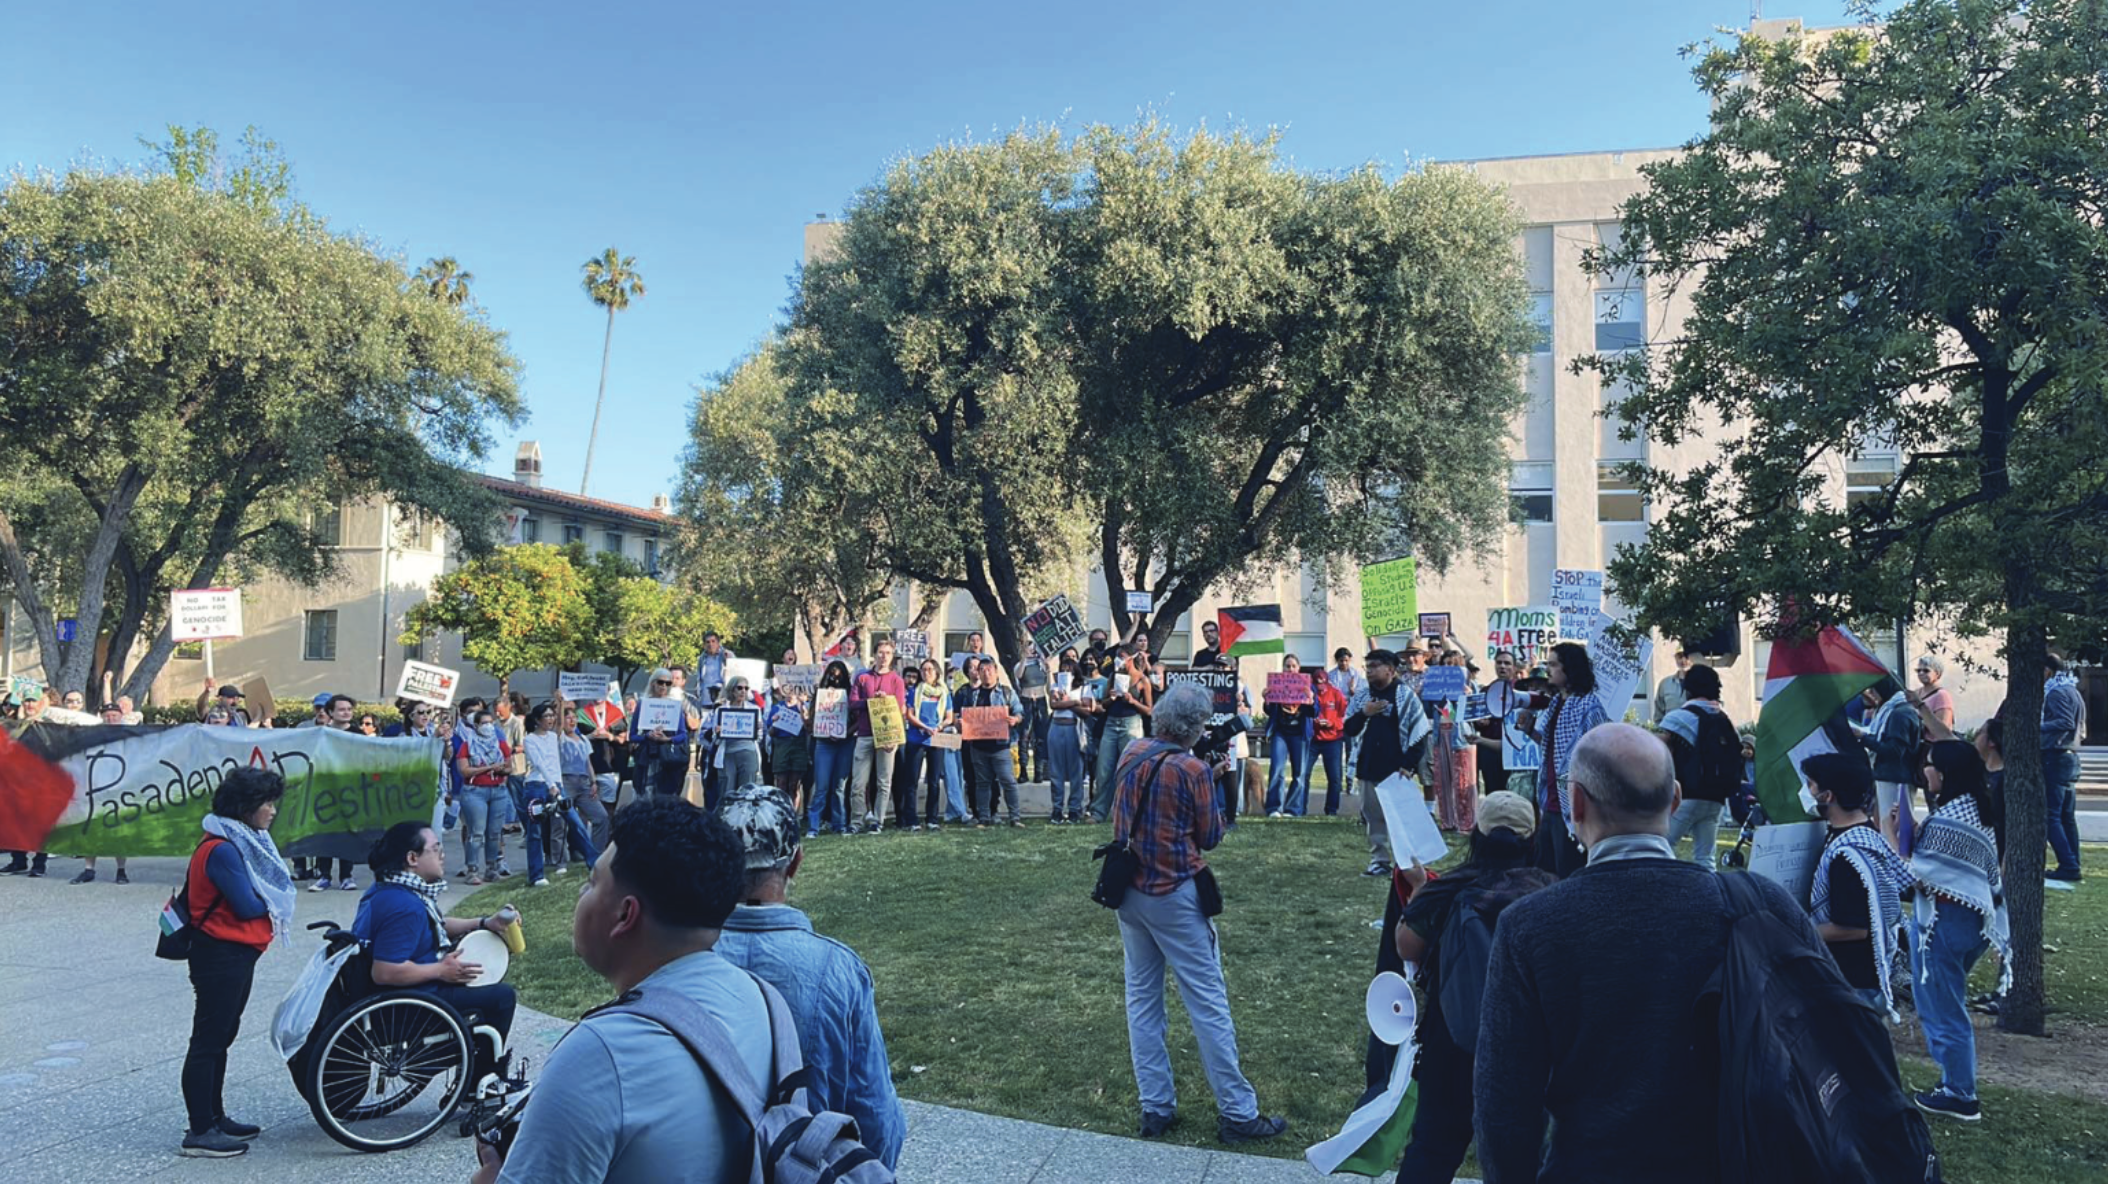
column 1442, row 684
column 1139, row 602
column 738, row 723
column 1578, row 595
column 146, row 790
column 888, row 730
column 1434, row 624
column 658, row 715
column 1390, row 597
column 787, row 719
column 575, row 687
column 1054, row 626
column 423, row 682
column 830, row 713
column 1526, row 631
column 1288, row 687
column 754, row 670
column 803, row 678
column 1786, row 853
column 912, row 645
column 985, row 723
column 1619, row 664
column 205, row 614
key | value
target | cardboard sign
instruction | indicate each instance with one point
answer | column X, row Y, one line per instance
column 1288, row 688
column 985, row 723
column 738, row 723
column 1578, row 595
column 256, row 696
column 945, row 740
column 1054, row 626
column 658, row 715
column 1526, row 631
column 1619, row 665
column 1785, row 853
column 1139, row 602
column 888, row 730
column 426, row 683
column 1434, row 624
column 787, row 719
column 581, row 688
column 754, row 670
column 804, row 678
column 205, row 614
column 830, row 713
column 1390, row 597
column 913, row 645
column 1443, row 684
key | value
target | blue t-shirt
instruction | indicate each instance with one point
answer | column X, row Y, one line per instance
column 394, row 919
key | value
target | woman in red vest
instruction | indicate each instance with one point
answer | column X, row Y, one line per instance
column 240, row 897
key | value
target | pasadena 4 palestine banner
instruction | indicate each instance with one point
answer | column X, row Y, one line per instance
column 146, row 790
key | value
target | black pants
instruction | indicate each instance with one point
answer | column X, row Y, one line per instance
column 671, row 774
column 1377, row 1062
column 1557, row 852
column 1442, row 1121
column 221, row 973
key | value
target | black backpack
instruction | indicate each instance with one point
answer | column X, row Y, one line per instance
column 1808, row 1082
column 1716, row 757
column 1466, row 948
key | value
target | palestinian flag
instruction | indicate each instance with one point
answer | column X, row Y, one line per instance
column 33, row 794
column 1808, row 682
column 1374, row 1136
column 1254, row 629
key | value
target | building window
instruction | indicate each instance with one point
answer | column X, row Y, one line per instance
column 319, row 635
column 1868, row 477
column 611, row 542
column 414, row 653
column 530, row 530
column 1617, row 498
column 651, row 557
column 574, row 533
column 955, row 642
column 328, row 525
column 1621, row 316
column 1541, row 318
column 1530, row 488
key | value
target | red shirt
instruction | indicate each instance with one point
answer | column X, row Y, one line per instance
column 1331, row 722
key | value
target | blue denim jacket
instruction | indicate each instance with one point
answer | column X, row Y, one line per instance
column 830, row 994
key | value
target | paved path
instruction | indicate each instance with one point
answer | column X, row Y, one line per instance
column 92, row 1031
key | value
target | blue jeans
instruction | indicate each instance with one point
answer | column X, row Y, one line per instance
column 1286, row 755
column 2060, row 783
column 832, row 761
column 1168, row 930
column 539, row 829
column 1700, row 820
column 1120, row 731
column 516, row 796
column 483, row 806
column 1331, row 753
column 1065, row 768
column 1941, row 965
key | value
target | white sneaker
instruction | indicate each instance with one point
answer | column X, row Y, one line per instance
column 557, row 871
column 320, row 885
column 542, row 883
column 348, row 884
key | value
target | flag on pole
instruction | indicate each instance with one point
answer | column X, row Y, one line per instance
column 1809, row 680
column 1253, row 629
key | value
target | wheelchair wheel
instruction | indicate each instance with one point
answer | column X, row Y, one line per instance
column 388, row 1070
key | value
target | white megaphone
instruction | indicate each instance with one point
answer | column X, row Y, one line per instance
column 1392, row 1012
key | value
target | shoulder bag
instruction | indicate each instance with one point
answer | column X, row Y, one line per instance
column 1117, row 873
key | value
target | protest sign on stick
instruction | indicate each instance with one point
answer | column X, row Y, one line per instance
column 1434, row 624
column 1526, row 631
column 205, row 614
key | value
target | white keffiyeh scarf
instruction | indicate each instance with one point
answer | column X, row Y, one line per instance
column 1956, row 856
column 1885, row 874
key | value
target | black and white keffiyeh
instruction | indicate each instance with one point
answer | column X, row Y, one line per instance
column 1885, row 875
column 1956, row 856
column 266, row 869
column 430, row 891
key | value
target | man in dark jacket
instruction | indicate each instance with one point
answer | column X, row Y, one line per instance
column 1587, row 1017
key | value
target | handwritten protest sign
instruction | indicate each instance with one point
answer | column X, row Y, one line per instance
column 1288, row 687
column 737, row 723
column 1786, row 853
column 1390, row 597
column 659, row 715
column 1139, row 602
column 787, row 720
column 581, row 687
column 1054, row 626
column 945, row 740
column 1577, row 594
column 888, row 730
column 913, row 645
column 1442, row 684
column 830, row 713
column 1434, row 624
column 803, row 678
column 985, row 723
column 1525, row 631
column 205, row 614
column 426, row 683
column 1619, row 664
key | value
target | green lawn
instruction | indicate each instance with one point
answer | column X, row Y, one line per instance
column 999, row 983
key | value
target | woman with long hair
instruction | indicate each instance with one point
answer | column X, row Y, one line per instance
column 1287, row 750
column 833, row 756
column 1572, row 713
column 1959, row 912
column 930, row 712
column 1328, row 738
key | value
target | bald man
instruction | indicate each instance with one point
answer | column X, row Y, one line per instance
column 1590, row 984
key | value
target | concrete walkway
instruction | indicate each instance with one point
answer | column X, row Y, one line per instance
column 93, row 1028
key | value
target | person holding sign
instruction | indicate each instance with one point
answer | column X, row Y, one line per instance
column 665, row 750
column 870, row 760
column 834, row 750
column 990, row 745
column 1575, row 711
column 1454, row 761
column 1287, row 741
column 1394, row 730
column 790, row 743
column 930, row 713
column 1130, row 695
column 735, row 737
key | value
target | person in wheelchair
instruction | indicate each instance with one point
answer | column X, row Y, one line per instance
column 412, row 944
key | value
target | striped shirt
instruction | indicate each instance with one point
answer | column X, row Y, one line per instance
column 1577, row 715
column 1176, row 821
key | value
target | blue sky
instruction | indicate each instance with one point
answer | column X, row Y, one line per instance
column 524, row 138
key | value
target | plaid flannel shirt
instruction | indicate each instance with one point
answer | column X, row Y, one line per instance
column 1175, row 822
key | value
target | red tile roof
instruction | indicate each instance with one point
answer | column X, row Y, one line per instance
column 518, row 491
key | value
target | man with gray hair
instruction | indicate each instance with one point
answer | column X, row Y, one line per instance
column 1587, row 1015
column 1164, row 808
column 828, row 987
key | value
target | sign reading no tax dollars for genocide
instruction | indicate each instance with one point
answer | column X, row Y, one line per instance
column 205, row 614
column 146, row 790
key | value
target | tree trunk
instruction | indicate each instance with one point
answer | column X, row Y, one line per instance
column 2026, row 654
column 95, row 578
column 607, row 343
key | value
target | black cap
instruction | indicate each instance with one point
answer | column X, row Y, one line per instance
column 231, row 693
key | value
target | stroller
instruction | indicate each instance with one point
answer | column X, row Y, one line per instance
column 1752, row 815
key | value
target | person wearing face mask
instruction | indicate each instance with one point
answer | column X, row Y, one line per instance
column 482, row 759
column 1857, row 901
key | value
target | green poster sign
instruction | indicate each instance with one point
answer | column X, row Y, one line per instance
column 1390, row 597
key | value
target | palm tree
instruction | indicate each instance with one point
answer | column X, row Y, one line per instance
column 446, row 280
column 611, row 281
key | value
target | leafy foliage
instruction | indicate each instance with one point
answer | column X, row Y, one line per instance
column 520, row 608
column 636, row 621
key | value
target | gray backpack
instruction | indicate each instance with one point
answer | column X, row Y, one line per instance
column 792, row 1144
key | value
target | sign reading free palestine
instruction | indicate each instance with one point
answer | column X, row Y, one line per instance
column 146, row 790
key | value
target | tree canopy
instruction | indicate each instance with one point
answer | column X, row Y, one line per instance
column 519, row 608
column 190, row 365
column 1895, row 246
